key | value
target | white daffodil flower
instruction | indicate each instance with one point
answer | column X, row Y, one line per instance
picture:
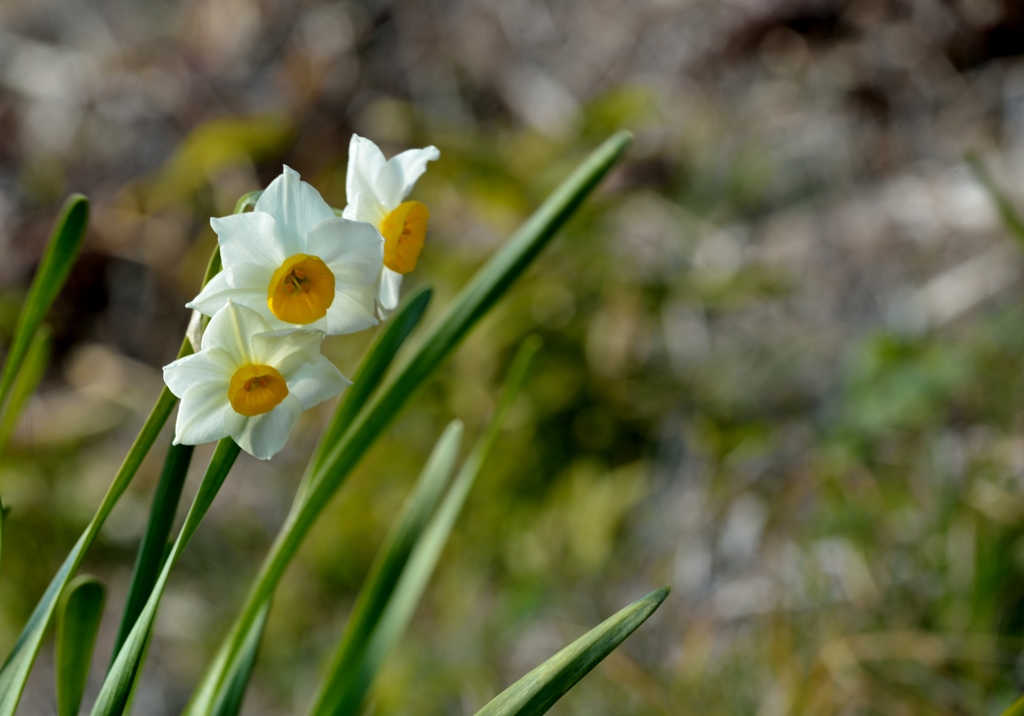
column 249, row 382
column 376, row 191
column 296, row 263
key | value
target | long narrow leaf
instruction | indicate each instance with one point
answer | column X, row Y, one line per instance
column 26, row 382
column 18, row 664
column 368, row 375
column 78, row 622
column 61, row 252
column 356, row 663
column 229, row 702
column 472, row 303
column 387, row 569
column 119, row 680
column 537, row 692
column 154, row 541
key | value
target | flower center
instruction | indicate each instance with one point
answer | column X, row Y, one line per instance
column 256, row 389
column 403, row 231
column 301, row 290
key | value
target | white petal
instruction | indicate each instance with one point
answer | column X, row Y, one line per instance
column 390, row 185
column 365, row 207
column 245, row 284
column 214, row 295
column 250, row 276
column 201, row 415
column 399, row 175
column 351, row 311
column 352, row 250
column 315, row 383
column 203, row 367
column 232, row 329
column 252, row 238
column 387, row 289
column 365, row 160
column 264, row 435
column 276, row 324
column 287, row 350
column 296, row 205
column 414, row 164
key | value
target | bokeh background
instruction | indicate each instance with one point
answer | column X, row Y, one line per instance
column 783, row 343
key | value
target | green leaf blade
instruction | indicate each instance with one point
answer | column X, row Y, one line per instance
column 33, row 367
column 61, row 251
column 347, row 681
column 387, row 569
column 537, row 692
column 122, row 674
column 78, row 623
column 154, row 540
column 368, row 376
column 229, row 701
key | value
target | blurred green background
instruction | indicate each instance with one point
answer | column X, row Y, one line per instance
column 783, row 344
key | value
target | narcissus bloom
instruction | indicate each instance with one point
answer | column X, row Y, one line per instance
column 376, row 190
column 249, row 382
column 296, row 263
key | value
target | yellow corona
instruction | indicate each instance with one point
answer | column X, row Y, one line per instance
column 301, row 290
column 256, row 389
column 404, row 230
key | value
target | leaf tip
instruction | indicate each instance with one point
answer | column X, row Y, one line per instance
column 76, row 204
column 421, row 294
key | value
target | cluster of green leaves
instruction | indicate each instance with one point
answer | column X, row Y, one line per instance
column 408, row 556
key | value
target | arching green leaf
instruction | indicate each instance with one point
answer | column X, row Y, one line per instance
column 154, row 542
column 372, row 632
column 121, row 675
column 78, row 622
column 61, row 252
column 26, row 382
column 537, row 692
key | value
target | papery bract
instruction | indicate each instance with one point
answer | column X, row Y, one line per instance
column 249, row 382
column 296, row 263
column 376, row 190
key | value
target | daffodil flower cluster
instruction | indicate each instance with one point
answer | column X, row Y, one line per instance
column 293, row 273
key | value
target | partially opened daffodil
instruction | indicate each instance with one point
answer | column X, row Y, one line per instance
column 249, row 382
column 376, row 190
column 296, row 263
